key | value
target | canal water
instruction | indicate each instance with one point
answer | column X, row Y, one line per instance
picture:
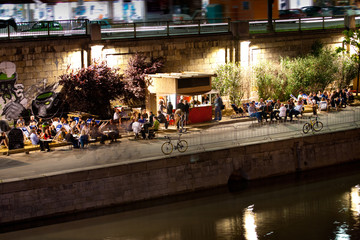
column 316, row 205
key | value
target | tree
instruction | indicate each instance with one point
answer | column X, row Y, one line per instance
column 229, row 81
column 136, row 81
column 91, row 89
column 271, row 81
column 312, row 72
column 308, row 73
column 352, row 39
column 347, row 71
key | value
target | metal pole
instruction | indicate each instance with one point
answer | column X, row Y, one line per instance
column 168, row 28
column 48, row 27
column 199, row 28
column 134, row 30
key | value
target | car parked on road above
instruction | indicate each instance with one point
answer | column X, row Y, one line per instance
column 291, row 13
column 45, row 26
column 103, row 24
column 312, row 11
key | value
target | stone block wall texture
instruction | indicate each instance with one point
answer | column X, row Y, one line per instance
column 49, row 58
column 71, row 192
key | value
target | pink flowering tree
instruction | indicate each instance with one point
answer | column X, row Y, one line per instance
column 136, row 80
column 92, row 88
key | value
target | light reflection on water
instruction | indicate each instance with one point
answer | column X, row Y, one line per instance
column 326, row 209
column 250, row 223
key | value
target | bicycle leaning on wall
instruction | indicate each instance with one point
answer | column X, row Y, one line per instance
column 315, row 125
column 168, row 146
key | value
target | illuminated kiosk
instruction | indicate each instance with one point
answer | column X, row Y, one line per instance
column 190, row 86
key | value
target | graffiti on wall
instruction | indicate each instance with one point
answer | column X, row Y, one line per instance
column 12, row 101
column 41, row 101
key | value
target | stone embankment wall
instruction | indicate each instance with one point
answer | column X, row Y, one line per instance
column 67, row 193
column 48, row 58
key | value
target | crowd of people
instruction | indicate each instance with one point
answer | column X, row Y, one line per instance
column 146, row 123
column 79, row 132
column 274, row 109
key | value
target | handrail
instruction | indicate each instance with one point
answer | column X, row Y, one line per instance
column 77, row 27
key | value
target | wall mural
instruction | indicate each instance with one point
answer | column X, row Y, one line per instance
column 41, row 101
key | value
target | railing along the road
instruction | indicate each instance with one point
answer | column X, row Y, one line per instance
column 301, row 24
column 247, row 133
column 165, row 28
column 115, row 29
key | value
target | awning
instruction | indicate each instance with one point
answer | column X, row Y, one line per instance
column 213, row 91
column 187, row 84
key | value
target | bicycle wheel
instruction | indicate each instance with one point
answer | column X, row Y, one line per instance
column 306, row 128
column 317, row 126
column 182, row 146
column 167, row 148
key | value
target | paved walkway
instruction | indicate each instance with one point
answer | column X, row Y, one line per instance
column 201, row 137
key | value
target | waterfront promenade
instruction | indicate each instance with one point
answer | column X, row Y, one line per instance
column 201, row 138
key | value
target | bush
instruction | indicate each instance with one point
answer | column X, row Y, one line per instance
column 230, row 81
column 309, row 74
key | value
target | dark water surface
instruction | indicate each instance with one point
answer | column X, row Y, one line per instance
column 322, row 205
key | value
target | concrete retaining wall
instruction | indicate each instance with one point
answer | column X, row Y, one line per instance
column 109, row 186
column 49, row 58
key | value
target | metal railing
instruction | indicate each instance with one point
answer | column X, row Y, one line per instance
column 247, row 133
column 166, row 28
column 115, row 29
column 301, row 24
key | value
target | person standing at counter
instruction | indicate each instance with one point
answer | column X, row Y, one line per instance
column 218, row 106
column 186, row 111
column 162, row 107
column 205, row 99
column 181, row 105
column 169, row 110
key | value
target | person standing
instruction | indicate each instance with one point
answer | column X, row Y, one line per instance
column 162, row 107
column 169, row 110
column 187, row 111
column 218, row 107
column 117, row 116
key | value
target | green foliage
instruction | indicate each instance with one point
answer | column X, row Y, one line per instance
column 310, row 73
column 229, row 81
column 270, row 81
column 347, row 71
column 352, row 39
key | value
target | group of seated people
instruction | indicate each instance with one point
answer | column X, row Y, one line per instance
column 146, row 124
column 272, row 109
column 76, row 131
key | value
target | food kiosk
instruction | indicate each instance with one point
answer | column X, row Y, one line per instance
column 190, row 86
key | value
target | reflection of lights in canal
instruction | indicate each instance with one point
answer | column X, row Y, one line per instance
column 250, row 223
column 353, row 198
column 355, row 202
column 245, row 225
